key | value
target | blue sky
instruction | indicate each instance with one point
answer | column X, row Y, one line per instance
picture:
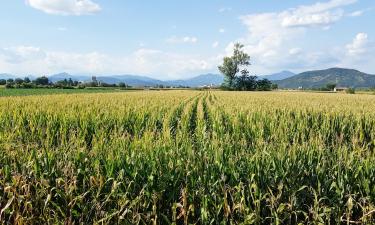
column 172, row 39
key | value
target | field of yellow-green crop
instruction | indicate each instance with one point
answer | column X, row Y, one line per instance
column 187, row 157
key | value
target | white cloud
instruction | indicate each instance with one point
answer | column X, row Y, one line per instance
column 296, row 18
column 215, row 44
column 319, row 14
column 222, row 30
column 15, row 55
column 359, row 45
column 356, row 13
column 359, row 12
column 358, row 53
column 295, row 51
column 65, row 7
column 179, row 40
column 25, row 60
column 171, row 65
column 322, row 6
column 268, row 40
column 273, row 38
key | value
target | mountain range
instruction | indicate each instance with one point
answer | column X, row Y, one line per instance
column 285, row 79
column 6, row 76
column 136, row 80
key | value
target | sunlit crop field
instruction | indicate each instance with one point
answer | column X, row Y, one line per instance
column 188, row 157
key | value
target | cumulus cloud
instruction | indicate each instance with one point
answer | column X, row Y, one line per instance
column 295, row 18
column 319, row 14
column 215, row 44
column 359, row 45
column 172, row 65
column 28, row 59
column 222, row 30
column 179, row 40
column 273, row 38
column 25, row 60
column 267, row 40
column 15, row 55
column 65, row 7
column 358, row 53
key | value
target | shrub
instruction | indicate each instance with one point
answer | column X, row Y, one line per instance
column 350, row 91
column 28, row 85
column 9, row 85
column 18, row 81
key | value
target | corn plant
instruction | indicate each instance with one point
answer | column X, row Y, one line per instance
column 187, row 157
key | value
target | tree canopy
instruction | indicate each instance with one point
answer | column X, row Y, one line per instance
column 238, row 63
column 232, row 64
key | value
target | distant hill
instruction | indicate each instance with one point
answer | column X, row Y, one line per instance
column 136, row 80
column 6, row 76
column 201, row 80
column 62, row 76
column 132, row 80
column 320, row 78
column 278, row 76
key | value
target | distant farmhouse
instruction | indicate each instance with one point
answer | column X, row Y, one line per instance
column 209, row 86
column 340, row 89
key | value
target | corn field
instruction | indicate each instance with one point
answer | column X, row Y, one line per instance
column 188, row 157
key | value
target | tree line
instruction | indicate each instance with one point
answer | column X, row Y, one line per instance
column 236, row 75
column 44, row 82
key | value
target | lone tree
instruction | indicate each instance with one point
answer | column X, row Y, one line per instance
column 232, row 65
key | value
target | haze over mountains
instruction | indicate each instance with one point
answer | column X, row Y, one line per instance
column 137, row 80
column 285, row 79
column 6, row 76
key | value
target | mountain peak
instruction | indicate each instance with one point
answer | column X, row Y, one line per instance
column 320, row 78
